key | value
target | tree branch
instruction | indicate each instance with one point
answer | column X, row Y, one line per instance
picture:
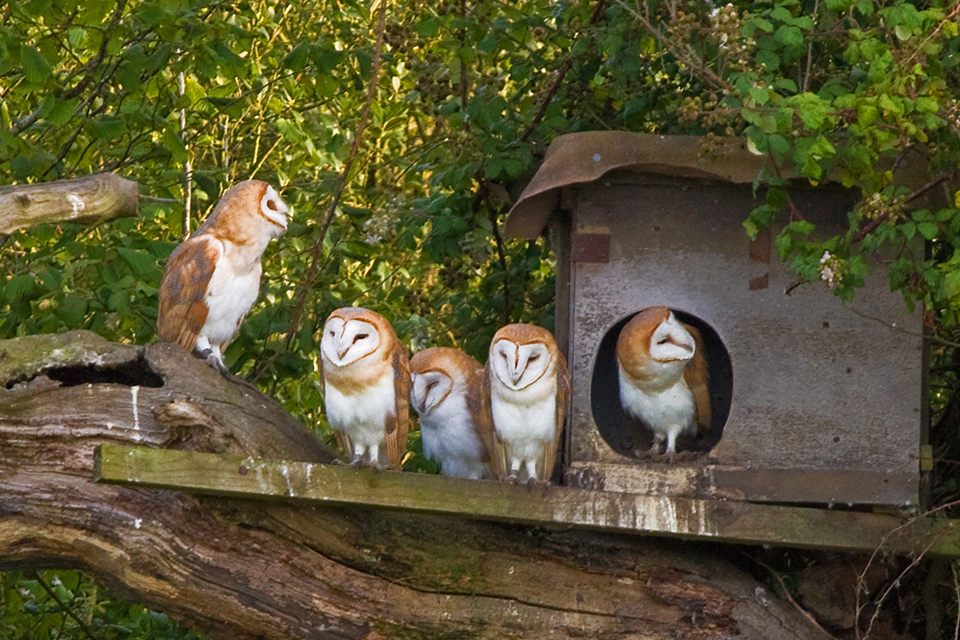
column 311, row 276
column 557, row 81
column 90, row 199
column 269, row 570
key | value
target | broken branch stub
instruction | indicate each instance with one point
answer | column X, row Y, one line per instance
column 91, row 199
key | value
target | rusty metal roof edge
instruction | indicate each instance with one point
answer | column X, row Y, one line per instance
column 578, row 158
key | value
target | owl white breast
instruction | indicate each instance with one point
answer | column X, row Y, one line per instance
column 366, row 381
column 213, row 278
column 663, row 376
column 527, row 384
column 446, row 387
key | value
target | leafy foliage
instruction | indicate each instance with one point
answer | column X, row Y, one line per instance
column 68, row 605
column 190, row 96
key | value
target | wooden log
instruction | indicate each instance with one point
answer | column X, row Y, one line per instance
column 726, row 521
column 89, row 200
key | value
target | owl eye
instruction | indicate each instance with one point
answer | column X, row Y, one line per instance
column 361, row 336
column 663, row 340
column 331, row 332
column 533, row 357
column 272, row 205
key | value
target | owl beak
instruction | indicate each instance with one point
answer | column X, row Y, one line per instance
column 342, row 351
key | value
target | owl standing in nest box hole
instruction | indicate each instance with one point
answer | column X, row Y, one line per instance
column 527, row 386
column 366, row 386
column 446, row 389
column 213, row 278
column 663, row 377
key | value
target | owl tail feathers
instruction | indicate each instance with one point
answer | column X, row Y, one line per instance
column 345, row 444
column 549, row 459
column 697, row 378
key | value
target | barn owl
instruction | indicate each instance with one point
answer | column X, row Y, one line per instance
column 366, row 384
column 663, row 376
column 526, row 384
column 213, row 278
column 446, row 389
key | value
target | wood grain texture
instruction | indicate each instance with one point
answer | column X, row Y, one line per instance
column 245, row 569
column 727, row 521
column 90, row 199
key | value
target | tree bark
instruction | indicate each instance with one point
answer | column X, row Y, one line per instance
column 91, row 199
column 248, row 569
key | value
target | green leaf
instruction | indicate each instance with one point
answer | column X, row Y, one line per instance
column 19, row 286
column 782, row 14
column 928, row 230
column 173, row 143
column 779, row 146
column 140, row 262
column 36, row 69
column 62, row 112
column 927, row 104
column 296, row 59
column 789, row 35
column 840, row 6
column 811, row 109
column 866, row 114
column 786, row 84
column 763, row 25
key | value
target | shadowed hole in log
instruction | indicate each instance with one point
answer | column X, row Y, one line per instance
column 134, row 373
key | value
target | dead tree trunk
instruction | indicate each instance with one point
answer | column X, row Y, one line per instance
column 90, row 199
column 247, row 569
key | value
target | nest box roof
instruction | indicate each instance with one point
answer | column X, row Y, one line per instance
column 578, row 158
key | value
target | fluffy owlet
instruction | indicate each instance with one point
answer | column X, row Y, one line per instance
column 366, row 383
column 213, row 278
column 663, row 376
column 446, row 389
column 527, row 385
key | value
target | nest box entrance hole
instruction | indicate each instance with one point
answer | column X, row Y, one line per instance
column 627, row 435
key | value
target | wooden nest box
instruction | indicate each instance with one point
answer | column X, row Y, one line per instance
column 814, row 401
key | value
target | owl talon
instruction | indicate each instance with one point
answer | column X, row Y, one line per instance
column 653, row 452
column 211, row 358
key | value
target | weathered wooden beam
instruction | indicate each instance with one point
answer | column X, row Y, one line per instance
column 90, row 199
column 727, row 521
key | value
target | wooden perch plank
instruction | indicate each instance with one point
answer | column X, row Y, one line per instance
column 730, row 521
column 90, row 199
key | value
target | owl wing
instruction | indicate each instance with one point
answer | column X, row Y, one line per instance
column 697, row 378
column 494, row 445
column 399, row 424
column 563, row 395
column 480, row 413
column 183, row 310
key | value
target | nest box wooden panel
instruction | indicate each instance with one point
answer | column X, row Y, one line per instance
column 814, row 400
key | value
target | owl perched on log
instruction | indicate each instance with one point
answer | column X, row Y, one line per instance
column 446, row 389
column 527, row 385
column 213, row 278
column 663, row 377
column 366, row 385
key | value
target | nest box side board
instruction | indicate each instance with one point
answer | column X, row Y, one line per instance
column 826, row 397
